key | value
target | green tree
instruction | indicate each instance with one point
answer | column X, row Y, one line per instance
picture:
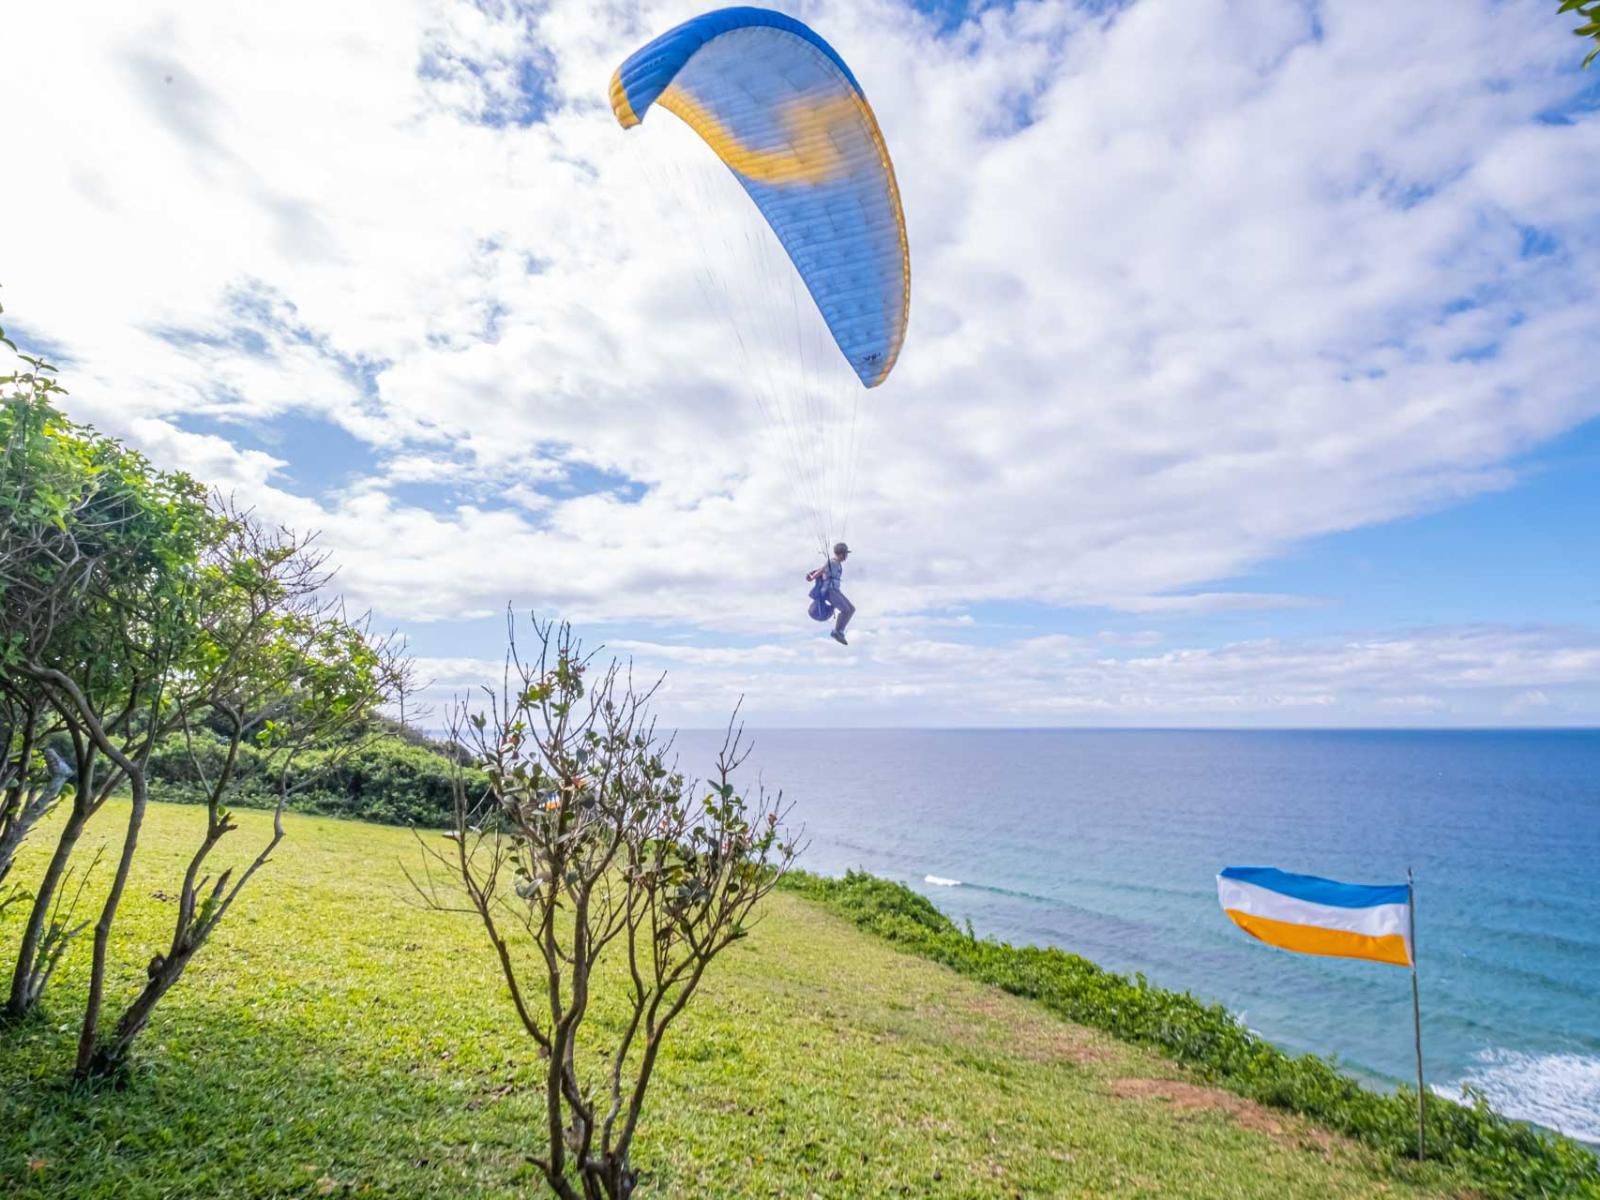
column 282, row 669
column 98, row 570
column 135, row 606
column 251, row 640
column 30, row 783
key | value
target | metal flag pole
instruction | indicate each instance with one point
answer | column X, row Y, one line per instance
column 1416, row 1004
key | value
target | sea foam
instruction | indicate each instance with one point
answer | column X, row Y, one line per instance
column 1558, row 1091
column 941, row 881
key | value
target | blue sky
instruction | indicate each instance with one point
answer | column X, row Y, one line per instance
column 1245, row 382
column 1527, row 554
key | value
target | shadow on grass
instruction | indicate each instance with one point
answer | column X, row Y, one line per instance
column 223, row 1103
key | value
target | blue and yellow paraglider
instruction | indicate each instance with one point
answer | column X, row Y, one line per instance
column 785, row 114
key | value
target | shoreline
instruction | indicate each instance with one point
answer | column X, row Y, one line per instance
column 1494, row 1064
column 1501, row 1153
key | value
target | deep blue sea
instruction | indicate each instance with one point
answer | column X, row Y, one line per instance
column 1107, row 843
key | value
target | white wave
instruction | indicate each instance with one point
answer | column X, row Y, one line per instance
column 941, row 881
column 1558, row 1091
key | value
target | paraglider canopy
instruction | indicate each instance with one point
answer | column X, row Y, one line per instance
column 783, row 111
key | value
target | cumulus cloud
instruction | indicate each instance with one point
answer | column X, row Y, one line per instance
column 1185, row 294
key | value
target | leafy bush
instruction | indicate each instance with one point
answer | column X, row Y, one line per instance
column 1506, row 1158
column 614, row 859
column 395, row 776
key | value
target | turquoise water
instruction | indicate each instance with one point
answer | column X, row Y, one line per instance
column 1107, row 843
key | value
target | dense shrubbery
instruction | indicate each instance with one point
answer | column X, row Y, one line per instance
column 394, row 774
column 1506, row 1158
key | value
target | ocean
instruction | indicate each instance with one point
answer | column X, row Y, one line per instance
column 1107, row 843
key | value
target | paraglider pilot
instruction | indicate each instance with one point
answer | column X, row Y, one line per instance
column 831, row 572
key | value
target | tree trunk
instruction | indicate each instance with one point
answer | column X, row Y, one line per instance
column 611, row 1178
column 559, row 1184
column 108, row 915
column 24, row 991
column 109, row 1057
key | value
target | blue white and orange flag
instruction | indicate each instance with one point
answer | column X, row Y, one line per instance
column 1319, row 916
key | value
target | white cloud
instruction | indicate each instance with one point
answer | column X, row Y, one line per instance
column 1208, row 602
column 1419, row 704
column 210, row 458
column 1446, row 676
column 1526, row 704
column 1186, row 293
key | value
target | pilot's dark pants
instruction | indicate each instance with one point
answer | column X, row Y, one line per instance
column 842, row 606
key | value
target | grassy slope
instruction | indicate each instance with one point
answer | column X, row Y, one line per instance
column 335, row 1040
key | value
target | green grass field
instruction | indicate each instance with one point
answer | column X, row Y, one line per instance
column 337, row 1040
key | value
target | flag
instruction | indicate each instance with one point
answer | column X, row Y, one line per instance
column 1319, row 916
